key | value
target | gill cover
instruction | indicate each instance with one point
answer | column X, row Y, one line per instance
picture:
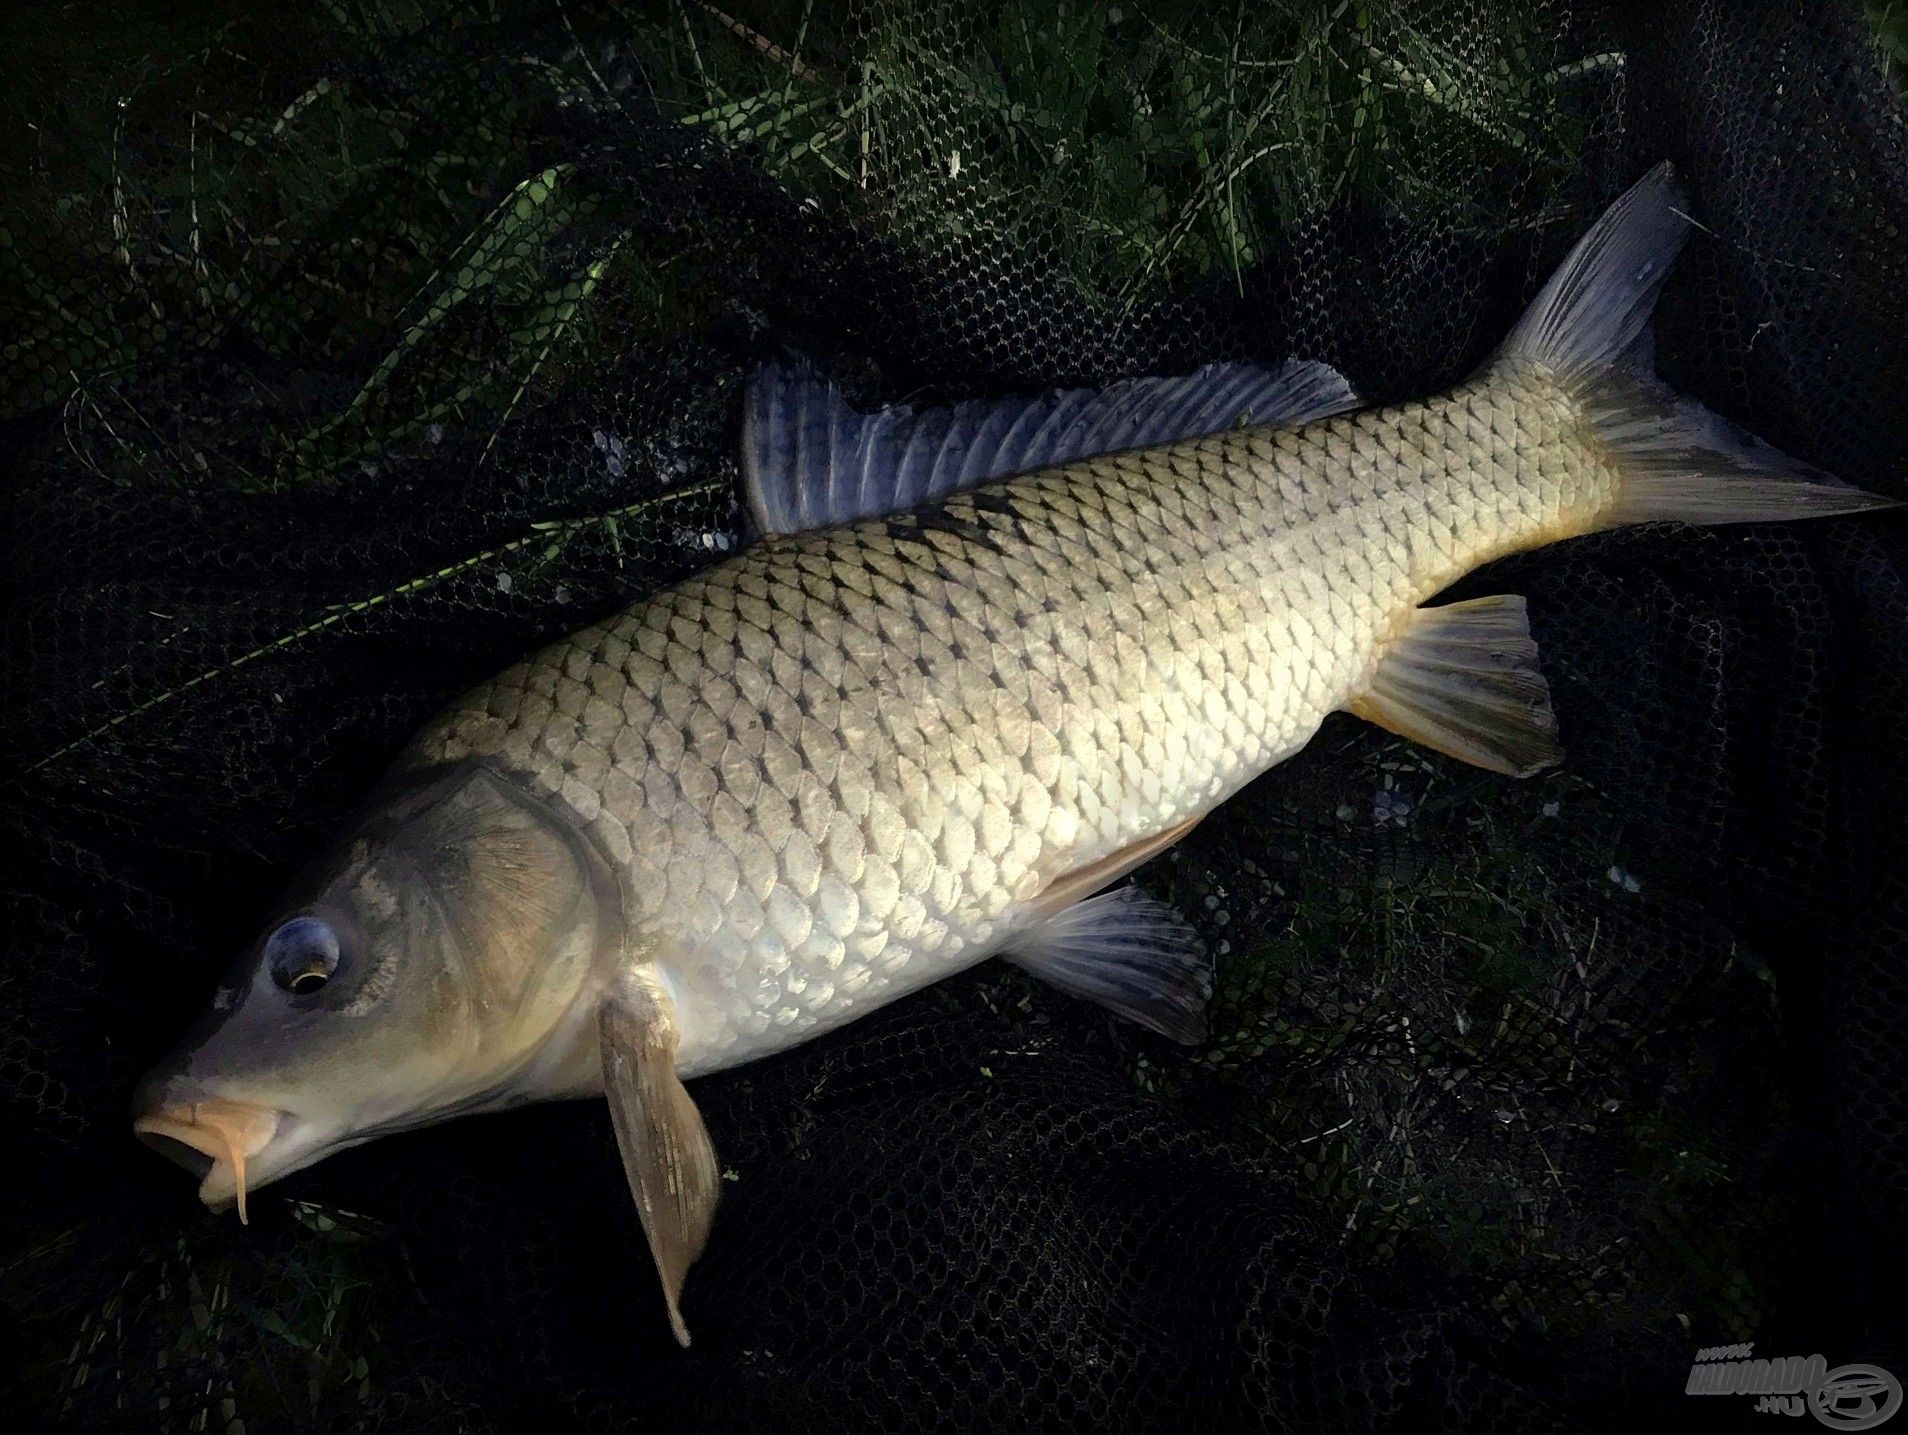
column 441, row 960
column 498, row 886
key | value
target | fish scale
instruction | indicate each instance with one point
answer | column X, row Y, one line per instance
column 862, row 756
column 842, row 764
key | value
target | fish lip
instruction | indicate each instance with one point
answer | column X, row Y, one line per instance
column 209, row 1136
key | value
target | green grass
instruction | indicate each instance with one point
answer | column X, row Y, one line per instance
column 1176, row 141
column 1427, row 1023
column 1132, row 155
column 1890, row 21
column 279, row 1332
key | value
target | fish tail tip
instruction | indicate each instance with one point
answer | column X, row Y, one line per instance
column 1589, row 330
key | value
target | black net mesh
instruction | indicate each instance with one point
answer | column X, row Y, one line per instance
column 350, row 350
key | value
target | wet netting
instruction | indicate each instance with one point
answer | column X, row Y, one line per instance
column 350, row 350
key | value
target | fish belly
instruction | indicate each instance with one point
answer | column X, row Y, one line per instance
column 841, row 765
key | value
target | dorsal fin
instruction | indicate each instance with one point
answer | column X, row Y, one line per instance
column 809, row 460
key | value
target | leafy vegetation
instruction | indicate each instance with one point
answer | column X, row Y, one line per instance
column 1890, row 21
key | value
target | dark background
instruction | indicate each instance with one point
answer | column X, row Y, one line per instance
column 348, row 350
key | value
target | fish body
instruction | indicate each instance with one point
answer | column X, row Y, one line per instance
column 849, row 762
column 987, row 660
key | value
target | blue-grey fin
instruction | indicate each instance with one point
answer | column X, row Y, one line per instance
column 1589, row 330
column 1463, row 680
column 665, row 1148
column 809, row 460
column 1128, row 952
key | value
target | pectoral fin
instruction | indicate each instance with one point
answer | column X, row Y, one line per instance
column 666, row 1152
column 1464, row 680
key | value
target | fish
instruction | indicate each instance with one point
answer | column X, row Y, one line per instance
column 983, row 662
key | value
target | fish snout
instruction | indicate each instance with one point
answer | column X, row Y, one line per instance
column 211, row 1136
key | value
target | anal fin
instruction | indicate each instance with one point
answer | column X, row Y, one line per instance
column 1464, row 680
column 1130, row 953
column 665, row 1148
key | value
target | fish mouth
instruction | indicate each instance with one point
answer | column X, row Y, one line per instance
column 213, row 1138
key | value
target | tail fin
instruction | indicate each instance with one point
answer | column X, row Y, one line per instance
column 1590, row 327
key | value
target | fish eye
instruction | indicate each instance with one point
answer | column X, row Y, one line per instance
column 303, row 955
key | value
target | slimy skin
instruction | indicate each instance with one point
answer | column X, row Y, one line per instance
column 846, row 763
column 879, row 747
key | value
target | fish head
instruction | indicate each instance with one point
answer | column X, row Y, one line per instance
column 442, row 959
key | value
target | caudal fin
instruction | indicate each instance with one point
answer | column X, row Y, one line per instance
column 1590, row 328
